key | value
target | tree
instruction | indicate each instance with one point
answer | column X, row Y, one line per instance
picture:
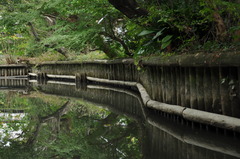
column 129, row 8
column 121, row 28
column 182, row 25
column 53, row 24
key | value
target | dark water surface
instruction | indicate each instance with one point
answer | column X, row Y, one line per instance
column 60, row 120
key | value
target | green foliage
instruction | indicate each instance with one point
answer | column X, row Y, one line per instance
column 184, row 26
column 57, row 23
column 79, row 26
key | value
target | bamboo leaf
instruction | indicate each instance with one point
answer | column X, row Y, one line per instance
column 166, row 38
column 145, row 32
column 158, row 34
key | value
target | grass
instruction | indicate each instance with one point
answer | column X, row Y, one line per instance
column 89, row 56
column 53, row 56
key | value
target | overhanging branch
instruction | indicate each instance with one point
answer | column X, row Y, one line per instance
column 124, row 45
column 130, row 8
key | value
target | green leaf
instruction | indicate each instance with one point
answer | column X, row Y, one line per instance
column 166, row 38
column 166, row 41
column 141, row 51
column 145, row 32
column 149, row 43
column 165, row 44
column 158, row 34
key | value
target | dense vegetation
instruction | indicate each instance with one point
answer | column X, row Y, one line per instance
column 118, row 28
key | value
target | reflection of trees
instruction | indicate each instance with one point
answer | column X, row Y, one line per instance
column 28, row 148
column 11, row 102
column 93, row 136
column 116, row 138
column 61, row 132
column 54, row 117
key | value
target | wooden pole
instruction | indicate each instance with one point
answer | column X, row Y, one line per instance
column 199, row 88
column 207, row 85
column 193, row 95
column 216, row 102
column 224, row 77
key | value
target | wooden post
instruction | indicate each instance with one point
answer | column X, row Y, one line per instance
column 234, row 91
column 10, row 72
column 17, row 72
column 5, row 72
column 14, row 71
column 81, row 81
column 14, row 83
column 187, row 87
column 182, row 85
column 1, row 72
column 163, row 84
column 156, row 83
column 225, row 99
column 193, row 96
column 199, row 88
column 238, row 95
column 207, row 85
column 173, row 85
column 40, row 78
column 44, row 78
column 24, row 71
column 168, row 85
column 216, row 101
column 20, row 71
column 178, row 85
column 159, row 86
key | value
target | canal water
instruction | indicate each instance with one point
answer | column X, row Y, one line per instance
column 59, row 120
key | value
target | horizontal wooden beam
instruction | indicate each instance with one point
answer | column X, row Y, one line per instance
column 226, row 59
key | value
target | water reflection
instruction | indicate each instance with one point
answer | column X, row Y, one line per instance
column 63, row 121
column 63, row 127
column 164, row 136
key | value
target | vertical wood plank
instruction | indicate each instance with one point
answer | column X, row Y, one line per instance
column 199, row 88
column 193, row 96
column 224, row 93
column 207, row 84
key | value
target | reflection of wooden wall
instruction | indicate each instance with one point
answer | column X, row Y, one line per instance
column 160, row 144
column 13, row 83
column 213, row 89
column 119, row 102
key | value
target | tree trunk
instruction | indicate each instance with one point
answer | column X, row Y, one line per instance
column 130, row 8
column 221, row 31
column 33, row 31
column 124, row 45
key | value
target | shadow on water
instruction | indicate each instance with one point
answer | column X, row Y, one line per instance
column 159, row 137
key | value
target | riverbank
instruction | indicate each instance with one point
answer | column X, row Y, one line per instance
column 206, row 85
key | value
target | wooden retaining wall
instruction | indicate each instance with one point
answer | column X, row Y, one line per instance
column 13, row 70
column 208, row 82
